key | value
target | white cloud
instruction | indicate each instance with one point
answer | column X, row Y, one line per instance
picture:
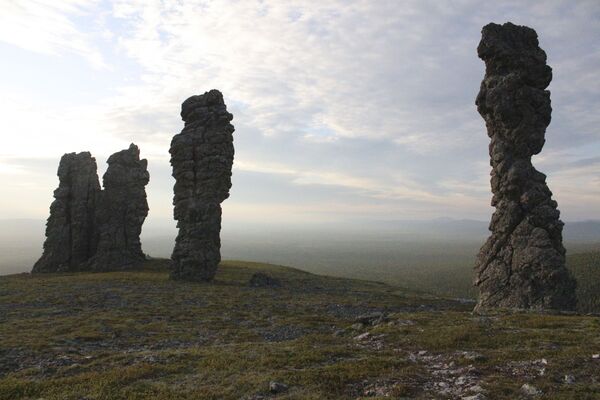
column 47, row 26
column 42, row 130
column 354, row 70
column 399, row 188
column 375, row 99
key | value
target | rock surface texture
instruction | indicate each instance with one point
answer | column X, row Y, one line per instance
column 202, row 158
column 120, row 212
column 94, row 229
column 522, row 264
column 71, row 235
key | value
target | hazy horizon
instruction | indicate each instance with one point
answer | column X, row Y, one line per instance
column 374, row 249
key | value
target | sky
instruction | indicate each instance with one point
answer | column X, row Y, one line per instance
column 343, row 110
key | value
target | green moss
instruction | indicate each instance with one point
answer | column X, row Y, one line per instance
column 138, row 335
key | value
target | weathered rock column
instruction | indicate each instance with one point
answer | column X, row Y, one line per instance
column 202, row 158
column 522, row 264
column 71, row 237
column 120, row 212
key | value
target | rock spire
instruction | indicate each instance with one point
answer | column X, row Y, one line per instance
column 202, row 158
column 522, row 264
column 71, row 235
column 94, row 229
column 121, row 210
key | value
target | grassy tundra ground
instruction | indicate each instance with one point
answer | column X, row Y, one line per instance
column 137, row 335
column 453, row 277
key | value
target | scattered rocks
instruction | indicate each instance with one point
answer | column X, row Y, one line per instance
column 380, row 388
column 277, row 387
column 372, row 319
column 202, row 158
column 260, row 279
column 478, row 396
column 463, row 300
column 471, row 355
column 370, row 341
column 522, row 264
column 121, row 211
column 530, row 390
column 71, row 235
column 362, row 336
column 476, row 389
column 447, row 379
column 527, row 369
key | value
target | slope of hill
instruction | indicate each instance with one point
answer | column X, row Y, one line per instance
column 137, row 335
column 453, row 278
column 586, row 269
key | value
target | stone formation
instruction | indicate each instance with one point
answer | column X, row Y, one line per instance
column 120, row 211
column 202, row 158
column 522, row 264
column 93, row 229
column 71, row 235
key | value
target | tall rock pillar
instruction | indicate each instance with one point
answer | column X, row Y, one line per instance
column 202, row 158
column 71, row 236
column 522, row 264
column 120, row 212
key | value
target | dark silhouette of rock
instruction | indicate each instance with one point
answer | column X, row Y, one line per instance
column 120, row 212
column 522, row 264
column 202, row 158
column 93, row 229
column 71, row 236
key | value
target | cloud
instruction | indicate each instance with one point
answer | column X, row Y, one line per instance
column 330, row 71
column 399, row 189
column 48, row 27
column 367, row 105
column 339, row 69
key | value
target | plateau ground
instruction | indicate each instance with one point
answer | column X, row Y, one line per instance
column 138, row 335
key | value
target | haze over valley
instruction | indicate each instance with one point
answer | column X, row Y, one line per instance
column 423, row 255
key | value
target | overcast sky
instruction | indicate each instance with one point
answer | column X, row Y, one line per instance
column 344, row 110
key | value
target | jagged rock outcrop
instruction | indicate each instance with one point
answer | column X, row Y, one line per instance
column 71, row 235
column 94, row 229
column 121, row 209
column 202, row 158
column 522, row 264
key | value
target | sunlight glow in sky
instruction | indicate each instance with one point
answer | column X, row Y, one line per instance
column 343, row 109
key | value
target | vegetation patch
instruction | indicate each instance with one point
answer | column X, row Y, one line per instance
column 138, row 335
